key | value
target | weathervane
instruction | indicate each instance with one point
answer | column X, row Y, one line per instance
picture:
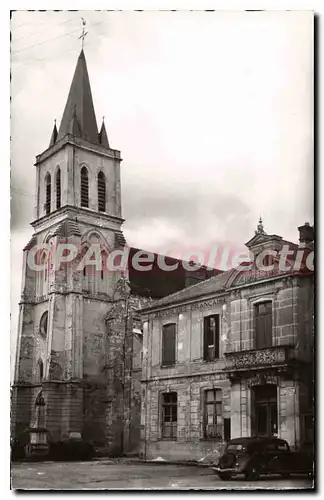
column 84, row 33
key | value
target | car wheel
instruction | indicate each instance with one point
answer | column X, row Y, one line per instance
column 252, row 474
column 224, row 476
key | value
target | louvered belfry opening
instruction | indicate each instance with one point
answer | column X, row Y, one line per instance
column 84, row 187
column 101, row 192
column 48, row 194
column 58, row 188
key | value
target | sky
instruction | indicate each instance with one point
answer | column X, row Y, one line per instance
column 212, row 113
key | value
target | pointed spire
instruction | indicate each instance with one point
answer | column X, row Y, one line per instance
column 74, row 127
column 54, row 135
column 260, row 228
column 79, row 114
column 102, row 136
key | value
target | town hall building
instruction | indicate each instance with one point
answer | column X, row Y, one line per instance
column 232, row 356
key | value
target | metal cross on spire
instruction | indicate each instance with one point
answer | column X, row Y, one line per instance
column 84, row 32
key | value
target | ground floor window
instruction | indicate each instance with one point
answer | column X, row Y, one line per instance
column 213, row 419
column 169, row 415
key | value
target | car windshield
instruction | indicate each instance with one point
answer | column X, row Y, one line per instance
column 235, row 447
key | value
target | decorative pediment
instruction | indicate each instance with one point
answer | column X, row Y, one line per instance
column 258, row 239
column 261, row 236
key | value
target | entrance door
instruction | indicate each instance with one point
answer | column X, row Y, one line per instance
column 265, row 406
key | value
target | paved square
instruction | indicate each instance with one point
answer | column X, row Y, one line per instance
column 107, row 474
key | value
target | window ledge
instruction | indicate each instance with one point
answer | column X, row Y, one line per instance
column 168, row 366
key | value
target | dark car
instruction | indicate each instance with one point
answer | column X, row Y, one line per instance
column 255, row 455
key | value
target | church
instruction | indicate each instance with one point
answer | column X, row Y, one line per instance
column 79, row 350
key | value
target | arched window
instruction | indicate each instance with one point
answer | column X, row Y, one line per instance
column 58, row 188
column 84, row 187
column 44, row 324
column 43, row 262
column 48, row 193
column 101, row 192
column 104, row 258
column 40, row 370
column 83, row 252
column 42, row 274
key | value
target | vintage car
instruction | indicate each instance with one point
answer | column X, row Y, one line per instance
column 253, row 456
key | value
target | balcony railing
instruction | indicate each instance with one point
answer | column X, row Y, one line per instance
column 279, row 355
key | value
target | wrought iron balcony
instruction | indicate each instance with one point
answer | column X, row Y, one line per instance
column 275, row 356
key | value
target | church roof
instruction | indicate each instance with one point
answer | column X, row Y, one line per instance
column 54, row 135
column 32, row 242
column 79, row 116
column 158, row 282
column 103, row 137
column 215, row 284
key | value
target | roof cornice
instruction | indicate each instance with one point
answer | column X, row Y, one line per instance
column 80, row 143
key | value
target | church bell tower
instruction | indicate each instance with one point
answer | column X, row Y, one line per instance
column 64, row 346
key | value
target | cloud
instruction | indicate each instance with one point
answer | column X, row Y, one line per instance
column 197, row 213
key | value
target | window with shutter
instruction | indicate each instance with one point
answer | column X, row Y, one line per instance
column 58, row 188
column 169, row 415
column 84, row 187
column 101, row 192
column 211, row 337
column 48, row 194
column 168, row 344
column 263, row 325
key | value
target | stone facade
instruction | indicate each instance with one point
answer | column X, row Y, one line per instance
column 189, row 377
column 240, row 368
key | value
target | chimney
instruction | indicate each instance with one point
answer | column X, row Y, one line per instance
column 306, row 233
